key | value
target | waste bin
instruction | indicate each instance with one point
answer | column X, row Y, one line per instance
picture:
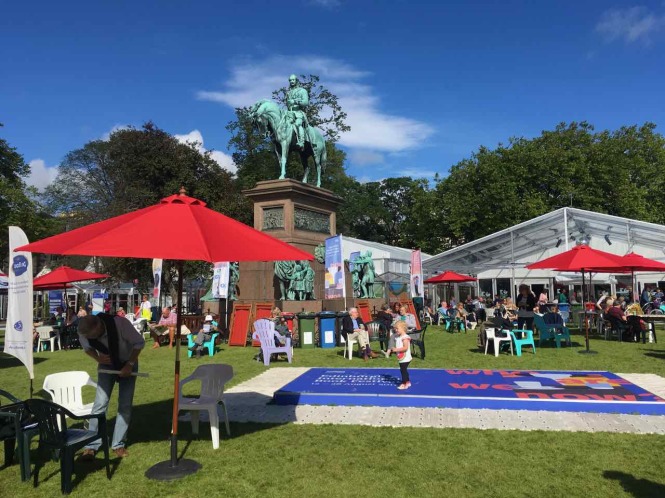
column 327, row 328
column 306, row 322
column 340, row 317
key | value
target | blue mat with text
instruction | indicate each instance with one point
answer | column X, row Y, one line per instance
column 576, row 391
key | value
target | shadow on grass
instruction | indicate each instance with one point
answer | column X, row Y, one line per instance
column 8, row 361
column 81, row 469
column 640, row 488
column 151, row 422
column 659, row 354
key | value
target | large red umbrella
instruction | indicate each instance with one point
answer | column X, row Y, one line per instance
column 580, row 259
column 64, row 275
column 449, row 277
column 181, row 228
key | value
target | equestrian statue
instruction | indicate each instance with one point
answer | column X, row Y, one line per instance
column 289, row 130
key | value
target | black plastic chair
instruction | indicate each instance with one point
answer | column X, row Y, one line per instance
column 617, row 326
column 17, row 425
column 55, row 436
column 418, row 339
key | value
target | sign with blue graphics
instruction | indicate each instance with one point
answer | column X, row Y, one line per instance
column 575, row 391
column 18, row 326
column 20, row 265
column 55, row 301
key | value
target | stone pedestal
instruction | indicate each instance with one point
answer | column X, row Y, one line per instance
column 297, row 213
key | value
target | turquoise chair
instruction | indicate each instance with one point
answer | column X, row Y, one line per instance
column 208, row 344
column 527, row 341
column 548, row 331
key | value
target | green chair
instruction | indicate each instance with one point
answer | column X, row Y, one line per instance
column 209, row 344
column 54, row 436
column 17, row 425
column 526, row 341
column 548, row 331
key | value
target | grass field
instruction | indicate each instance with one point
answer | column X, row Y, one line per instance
column 327, row 460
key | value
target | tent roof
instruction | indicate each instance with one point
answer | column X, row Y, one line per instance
column 384, row 250
column 536, row 239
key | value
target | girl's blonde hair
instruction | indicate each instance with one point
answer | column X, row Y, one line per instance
column 401, row 326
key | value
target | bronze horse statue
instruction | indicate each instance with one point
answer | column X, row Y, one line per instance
column 273, row 121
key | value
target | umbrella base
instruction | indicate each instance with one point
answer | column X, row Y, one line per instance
column 587, row 351
column 164, row 471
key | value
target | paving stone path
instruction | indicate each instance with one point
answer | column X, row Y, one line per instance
column 249, row 402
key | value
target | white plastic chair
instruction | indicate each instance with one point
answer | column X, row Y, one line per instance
column 348, row 347
column 491, row 334
column 264, row 332
column 130, row 317
column 45, row 336
column 213, row 378
column 65, row 390
column 427, row 318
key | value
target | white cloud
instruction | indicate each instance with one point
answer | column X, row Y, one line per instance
column 372, row 129
column 41, row 175
column 363, row 157
column 194, row 137
column 631, row 24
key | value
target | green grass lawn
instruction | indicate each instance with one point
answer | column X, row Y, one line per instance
column 305, row 460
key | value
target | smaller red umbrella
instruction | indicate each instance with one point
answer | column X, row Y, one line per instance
column 636, row 262
column 64, row 275
column 449, row 277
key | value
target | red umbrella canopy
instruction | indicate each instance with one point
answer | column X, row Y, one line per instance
column 180, row 228
column 449, row 277
column 64, row 275
column 579, row 258
column 637, row 262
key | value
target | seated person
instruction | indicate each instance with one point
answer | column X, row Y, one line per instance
column 442, row 310
column 406, row 317
column 82, row 312
column 505, row 317
column 204, row 335
column 121, row 312
column 460, row 314
column 385, row 317
column 168, row 319
column 614, row 310
column 281, row 326
column 353, row 328
column 552, row 317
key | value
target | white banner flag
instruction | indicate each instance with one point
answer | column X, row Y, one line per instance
column 220, row 280
column 18, row 332
column 157, row 273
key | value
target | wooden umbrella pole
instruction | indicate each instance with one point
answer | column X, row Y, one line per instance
column 176, row 382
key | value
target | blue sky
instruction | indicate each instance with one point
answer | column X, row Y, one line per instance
column 423, row 83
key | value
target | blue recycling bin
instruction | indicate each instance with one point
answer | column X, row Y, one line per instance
column 327, row 329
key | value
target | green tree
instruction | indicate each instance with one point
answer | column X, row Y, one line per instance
column 18, row 202
column 255, row 155
column 135, row 168
column 614, row 172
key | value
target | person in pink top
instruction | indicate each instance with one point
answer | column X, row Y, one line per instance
column 168, row 319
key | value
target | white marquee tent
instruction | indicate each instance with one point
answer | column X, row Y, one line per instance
column 502, row 256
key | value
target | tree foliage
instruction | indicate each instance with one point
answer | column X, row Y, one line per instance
column 135, row 168
column 18, row 202
column 615, row 172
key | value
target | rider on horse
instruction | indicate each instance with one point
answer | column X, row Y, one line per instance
column 296, row 102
